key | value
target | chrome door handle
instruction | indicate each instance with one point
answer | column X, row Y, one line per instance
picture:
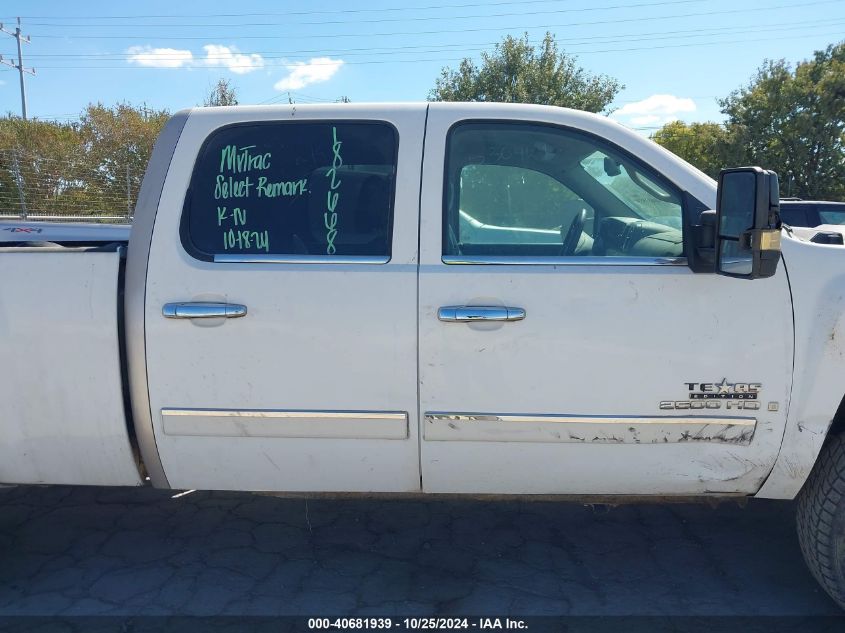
column 469, row 314
column 203, row 310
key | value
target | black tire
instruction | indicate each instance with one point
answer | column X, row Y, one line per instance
column 821, row 519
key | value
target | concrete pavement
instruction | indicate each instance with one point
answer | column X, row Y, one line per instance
column 92, row 551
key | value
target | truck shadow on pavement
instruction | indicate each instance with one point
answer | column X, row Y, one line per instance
column 96, row 551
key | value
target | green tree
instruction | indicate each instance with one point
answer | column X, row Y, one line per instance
column 117, row 142
column 221, row 94
column 36, row 158
column 517, row 72
column 91, row 166
column 792, row 120
column 708, row 146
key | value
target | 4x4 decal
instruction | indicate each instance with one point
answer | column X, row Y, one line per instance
column 22, row 229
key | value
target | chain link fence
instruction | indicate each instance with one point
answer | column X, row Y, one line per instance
column 38, row 188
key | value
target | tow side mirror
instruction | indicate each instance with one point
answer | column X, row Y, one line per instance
column 748, row 224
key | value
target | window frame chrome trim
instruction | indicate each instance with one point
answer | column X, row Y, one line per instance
column 520, row 260
column 259, row 258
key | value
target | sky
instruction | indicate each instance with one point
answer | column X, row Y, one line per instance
column 675, row 57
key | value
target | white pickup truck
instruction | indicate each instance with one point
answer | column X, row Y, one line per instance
column 480, row 299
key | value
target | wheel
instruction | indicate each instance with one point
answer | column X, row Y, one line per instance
column 821, row 519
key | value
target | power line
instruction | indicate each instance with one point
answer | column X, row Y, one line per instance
column 425, row 48
column 462, row 30
column 20, row 67
column 403, row 8
column 292, row 56
column 382, row 20
column 453, row 59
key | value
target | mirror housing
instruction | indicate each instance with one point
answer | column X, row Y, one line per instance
column 611, row 167
column 747, row 243
column 701, row 252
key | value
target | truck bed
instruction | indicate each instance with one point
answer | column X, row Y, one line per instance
column 63, row 419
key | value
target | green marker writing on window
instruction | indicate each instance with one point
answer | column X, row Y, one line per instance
column 330, row 217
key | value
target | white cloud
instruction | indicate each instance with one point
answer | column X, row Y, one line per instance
column 315, row 70
column 655, row 110
column 159, row 57
column 300, row 74
column 216, row 56
column 229, row 57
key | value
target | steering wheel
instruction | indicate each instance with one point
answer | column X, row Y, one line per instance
column 573, row 235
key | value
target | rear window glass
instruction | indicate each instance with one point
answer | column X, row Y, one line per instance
column 793, row 215
column 301, row 189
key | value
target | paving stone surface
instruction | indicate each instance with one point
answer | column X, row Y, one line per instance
column 95, row 551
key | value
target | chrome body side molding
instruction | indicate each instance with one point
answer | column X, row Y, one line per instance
column 486, row 427
column 383, row 425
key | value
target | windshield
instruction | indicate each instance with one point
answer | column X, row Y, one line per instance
column 832, row 216
column 634, row 189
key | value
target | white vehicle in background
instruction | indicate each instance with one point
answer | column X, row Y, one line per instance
column 432, row 298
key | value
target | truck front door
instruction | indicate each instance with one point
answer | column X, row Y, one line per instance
column 565, row 344
column 281, row 302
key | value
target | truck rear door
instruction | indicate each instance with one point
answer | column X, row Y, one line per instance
column 281, row 297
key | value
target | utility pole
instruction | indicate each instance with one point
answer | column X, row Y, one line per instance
column 21, row 68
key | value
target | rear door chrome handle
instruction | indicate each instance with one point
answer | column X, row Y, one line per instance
column 470, row 314
column 203, row 310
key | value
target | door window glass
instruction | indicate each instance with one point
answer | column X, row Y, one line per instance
column 303, row 189
column 516, row 189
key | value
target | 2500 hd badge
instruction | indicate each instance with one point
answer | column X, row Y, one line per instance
column 720, row 395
